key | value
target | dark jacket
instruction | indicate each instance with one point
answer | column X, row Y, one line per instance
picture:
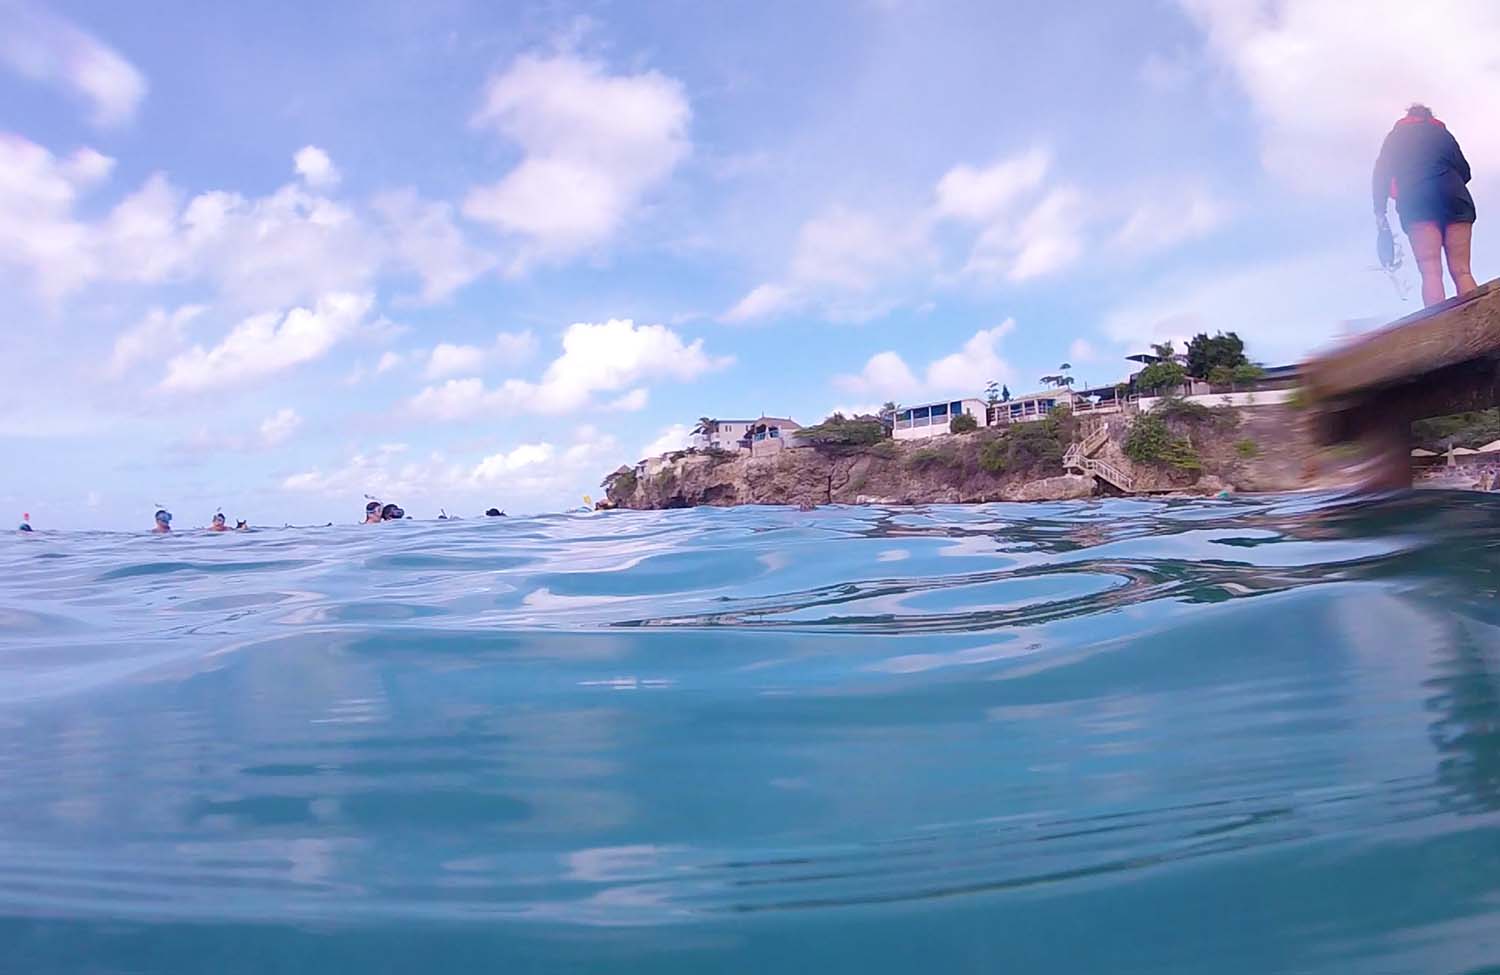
column 1424, row 170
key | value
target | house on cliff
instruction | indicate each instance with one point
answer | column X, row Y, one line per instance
column 763, row 435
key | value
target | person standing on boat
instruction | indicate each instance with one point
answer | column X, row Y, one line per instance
column 1422, row 168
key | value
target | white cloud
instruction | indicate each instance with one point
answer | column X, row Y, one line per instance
column 762, row 301
column 593, row 145
column 963, row 373
column 278, row 428
column 1046, row 240
column 315, row 168
column 674, row 437
column 597, row 358
column 632, row 401
column 266, row 344
column 44, row 47
column 848, row 262
column 497, row 466
column 512, row 348
column 1326, row 80
column 388, row 361
column 38, row 233
column 1082, row 350
column 1162, row 223
column 287, row 247
column 425, row 238
column 539, row 475
column 1282, row 309
column 155, row 337
column 447, row 360
column 983, row 195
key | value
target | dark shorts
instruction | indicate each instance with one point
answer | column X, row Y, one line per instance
column 1441, row 210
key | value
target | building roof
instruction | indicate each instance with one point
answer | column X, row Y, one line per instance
column 1463, row 450
column 1423, row 452
column 1489, row 448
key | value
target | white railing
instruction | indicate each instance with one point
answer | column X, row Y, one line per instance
column 1110, row 473
column 1077, row 456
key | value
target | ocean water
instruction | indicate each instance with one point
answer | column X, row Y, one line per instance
column 1258, row 735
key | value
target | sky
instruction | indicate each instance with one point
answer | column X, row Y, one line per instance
column 271, row 258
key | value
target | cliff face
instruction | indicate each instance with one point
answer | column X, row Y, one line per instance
column 974, row 467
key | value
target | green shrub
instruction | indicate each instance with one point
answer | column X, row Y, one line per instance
column 622, row 484
column 1032, row 446
column 1151, row 441
column 1147, row 440
column 925, row 457
column 1159, row 376
column 1177, row 408
column 1248, row 449
column 840, row 431
column 993, row 456
column 963, row 423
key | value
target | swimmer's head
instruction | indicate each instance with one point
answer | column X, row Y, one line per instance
column 218, row 518
column 392, row 512
column 372, row 507
column 163, row 516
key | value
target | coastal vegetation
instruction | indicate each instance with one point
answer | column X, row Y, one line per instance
column 963, row 423
column 841, row 431
column 1036, row 447
column 1151, row 440
column 1474, row 429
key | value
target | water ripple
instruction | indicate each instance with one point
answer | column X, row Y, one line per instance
column 440, row 746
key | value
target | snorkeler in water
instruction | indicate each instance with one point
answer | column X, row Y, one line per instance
column 217, row 525
column 392, row 512
column 372, row 512
column 25, row 522
column 163, row 522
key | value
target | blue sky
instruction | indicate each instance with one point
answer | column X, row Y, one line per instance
column 273, row 257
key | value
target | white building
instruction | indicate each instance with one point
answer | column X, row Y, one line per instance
column 1032, row 406
column 932, row 419
column 723, row 434
column 758, row 436
column 770, row 434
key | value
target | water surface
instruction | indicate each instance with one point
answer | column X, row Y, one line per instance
column 1125, row 736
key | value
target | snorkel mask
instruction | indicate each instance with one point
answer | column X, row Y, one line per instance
column 163, row 516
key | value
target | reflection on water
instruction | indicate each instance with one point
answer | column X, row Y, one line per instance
column 1247, row 736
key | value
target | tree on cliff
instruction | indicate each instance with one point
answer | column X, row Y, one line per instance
column 840, row 431
column 1225, row 351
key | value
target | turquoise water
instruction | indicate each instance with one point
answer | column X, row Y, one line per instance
column 1128, row 736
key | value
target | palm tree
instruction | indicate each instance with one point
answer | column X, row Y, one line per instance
column 704, row 422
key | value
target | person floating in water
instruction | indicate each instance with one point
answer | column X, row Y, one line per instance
column 25, row 522
column 392, row 512
column 163, row 522
column 494, row 513
column 1422, row 168
column 372, row 512
column 217, row 525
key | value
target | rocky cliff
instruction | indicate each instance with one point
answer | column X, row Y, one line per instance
column 1256, row 449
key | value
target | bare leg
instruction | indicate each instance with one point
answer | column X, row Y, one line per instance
column 1427, row 247
column 1456, row 240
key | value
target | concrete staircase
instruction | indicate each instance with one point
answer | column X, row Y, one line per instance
column 1077, row 458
